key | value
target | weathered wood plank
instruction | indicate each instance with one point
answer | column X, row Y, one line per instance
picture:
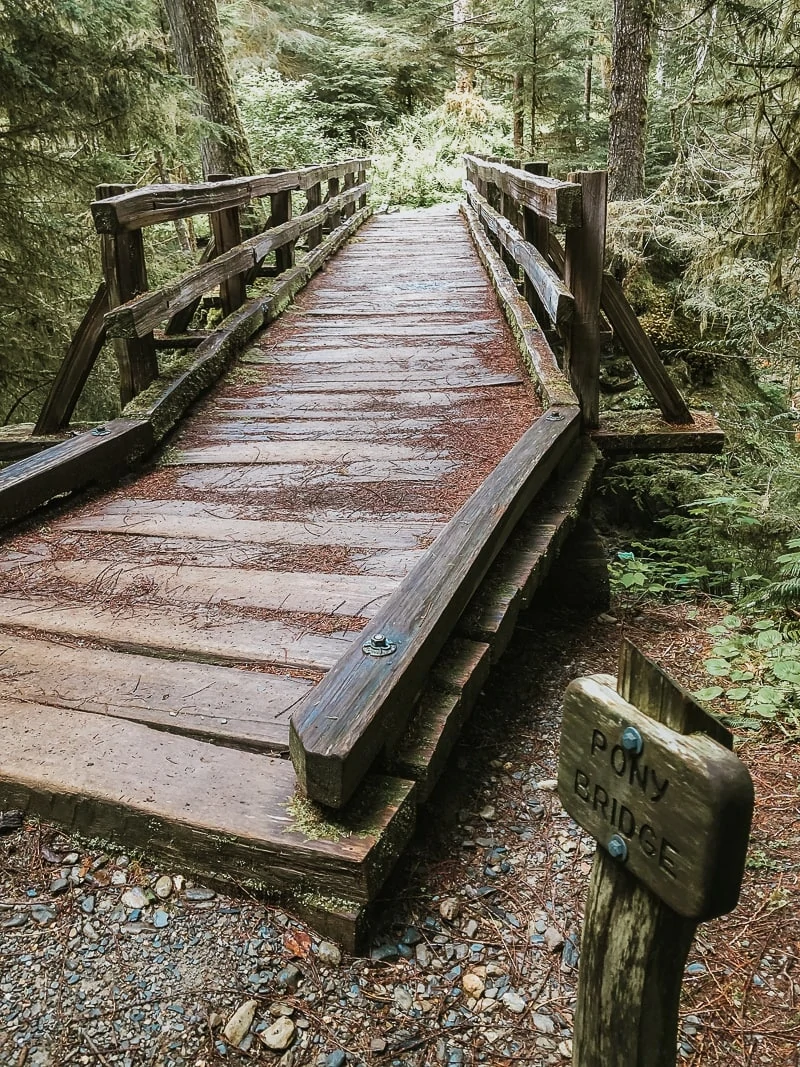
column 264, row 478
column 242, row 708
column 81, row 356
column 244, row 452
column 644, row 433
column 289, row 591
column 218, row 522
column 120, row 779
column 331, row 757
column 556, row 200
column 555, row 296
column 196, row 632
column 71, row 465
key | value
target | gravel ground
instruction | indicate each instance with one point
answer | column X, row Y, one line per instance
column 108, row 959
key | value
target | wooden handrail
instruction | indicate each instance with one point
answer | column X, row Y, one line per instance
column 166, row 203
column 138, row 317
column 332, row 752
column 556, row 200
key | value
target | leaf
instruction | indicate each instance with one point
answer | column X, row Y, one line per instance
column 738, row 693
column 625, row 556
column 717, row 668
column 717, row 630
column 733, row 622
column 766, row 711
column 787, row 670
column 742, row 676
column 769, row 639
column 764, row 624
column 297, row 942
column 711, row 693
column 726, row 649
column 767, row 694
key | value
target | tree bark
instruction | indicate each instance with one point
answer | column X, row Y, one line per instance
column 197, row 42
column 465, row 70
column 630, row 65
column 518, row 106
column 587, row 82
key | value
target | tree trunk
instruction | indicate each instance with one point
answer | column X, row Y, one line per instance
column 630, row 65
column 518, row 106
column 587, row 82
column 197, row 42
column 465, row 71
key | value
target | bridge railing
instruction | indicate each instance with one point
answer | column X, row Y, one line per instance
column 566, row 286
column 126, row 310
column 54, row 460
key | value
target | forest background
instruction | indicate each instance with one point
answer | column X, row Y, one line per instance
column 695, row 108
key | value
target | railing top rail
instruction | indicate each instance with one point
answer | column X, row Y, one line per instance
column 152, row 204
column 556, row 200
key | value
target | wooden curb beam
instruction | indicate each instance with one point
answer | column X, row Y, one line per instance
column 652, row 776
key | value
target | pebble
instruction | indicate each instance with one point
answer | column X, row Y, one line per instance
column 42, row 914
column 15, row 922
column 289, row 978
column 240, row 1022
column 58, row 886
column 548, row 785
column 553, row 940
column 135, row 898
column 163, row 887
column 336, row 1059
column 450, row 909
column 160, row 919
column 403, row 998
column 329, row 954
column 199, row 893
column 473, row 985
column 543, row 1023
column 280, row 1035
column 87, row 905
column 514, row 1002
column 378, row 1044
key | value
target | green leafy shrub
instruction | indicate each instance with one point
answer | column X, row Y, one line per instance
column 284, row 121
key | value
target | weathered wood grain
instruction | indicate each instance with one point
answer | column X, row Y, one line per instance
column 223, row 704
column 332, row 757
column 556, row 200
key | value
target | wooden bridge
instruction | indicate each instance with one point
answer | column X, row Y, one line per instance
column 252, row 646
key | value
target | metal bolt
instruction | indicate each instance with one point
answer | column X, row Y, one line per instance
column 379, row 645
column 554, row 416
column 632, row 740
column 617, row 848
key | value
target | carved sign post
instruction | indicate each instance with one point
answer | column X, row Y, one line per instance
column 652, row 776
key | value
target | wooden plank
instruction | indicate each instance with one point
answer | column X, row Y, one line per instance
column 556, row 200
column 553, row 386
column 315, row 429
column 288, row 591
column 478, row 328
column 642, row 352
column 583, row 275
column 406, row 356
column 71, row 465
column 191, row 632
column 418, row 389
column 331, row 756
column 243, row 452
column 81, row 356
column 218, row 522
column 120, row 779
column 226, row 228
column 266, row 478
column 646, row 433
column 235, row 707
column 550, row 289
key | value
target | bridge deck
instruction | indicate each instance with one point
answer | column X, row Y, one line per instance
column 206, row 596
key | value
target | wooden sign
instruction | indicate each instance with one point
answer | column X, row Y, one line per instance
column 652, row 776
column 674, row 809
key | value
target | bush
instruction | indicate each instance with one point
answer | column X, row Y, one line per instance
column 284, row 121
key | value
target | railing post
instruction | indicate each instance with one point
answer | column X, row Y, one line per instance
column 125, row 273
column 536, row 230
column 361, row 180
column 583, row 274
column 281, row 208
column 349, row 181
column 313, row 201
column 333, row 192
column 226, row 226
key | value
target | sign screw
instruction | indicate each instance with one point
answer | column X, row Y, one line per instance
column 632, row 740
column 379, row 645
column 617, row 848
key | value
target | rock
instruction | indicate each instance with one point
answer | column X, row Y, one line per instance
column 11, row 820
column 488, row 812
column 514, row 1002
column 289, row 978
column 543, row 1023
column 280, row 1035
column 473, row 985
column 199, row 893
column 15, row 922
column 450, row 909
column 135, row 898
column 548, row 785
column 412, row 936
column 119, row 878
column 123, row 861
column 70, row 859
column 553, row 939
column 99, row 862
column 240, row 1022
column 329, row 954
column 403, row 998
column 386, row 953
column 696, row 968
column 163, row 887
column 378, row 1044
column 565, row 1049
column 471, row 929
column 423, row 954
column 570, row 954
column 43, row 914
column 336, row 1059
column 90, row 933
column 87, row 905
column 160, row 918
column 215, row 1020
column 58, row 886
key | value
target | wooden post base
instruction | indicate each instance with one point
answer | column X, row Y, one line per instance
column 579, row 578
